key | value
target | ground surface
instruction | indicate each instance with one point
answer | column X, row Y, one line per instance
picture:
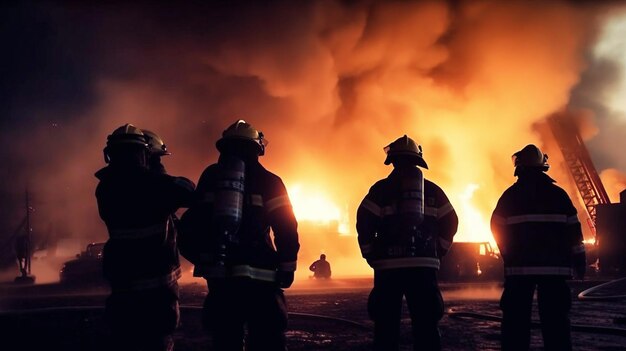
column 324, row 315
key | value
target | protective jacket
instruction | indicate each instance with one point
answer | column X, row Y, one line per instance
column 385, row 239
column 137, row 206
column 537, row 229
column 250, row 252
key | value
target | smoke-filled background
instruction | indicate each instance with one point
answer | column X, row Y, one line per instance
column 330, row 83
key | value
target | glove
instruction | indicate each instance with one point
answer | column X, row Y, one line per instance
column 284, row 279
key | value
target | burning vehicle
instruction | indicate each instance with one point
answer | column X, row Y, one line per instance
column 86, row 268
column 471, row 261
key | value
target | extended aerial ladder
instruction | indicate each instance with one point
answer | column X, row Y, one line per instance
column 580, row 166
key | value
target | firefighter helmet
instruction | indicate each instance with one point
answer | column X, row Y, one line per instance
column 243, row 131
column 125, row 135
column 406, row 148
column 530, row 157
column 156, row 146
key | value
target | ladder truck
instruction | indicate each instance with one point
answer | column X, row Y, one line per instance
column 581, row 168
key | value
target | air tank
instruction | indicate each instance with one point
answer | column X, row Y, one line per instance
column 228, row 206
column 410, row 207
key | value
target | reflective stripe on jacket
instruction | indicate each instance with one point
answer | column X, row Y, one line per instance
column 537, row 229
column 386, row 242
column 250, row 252
column 137, row 207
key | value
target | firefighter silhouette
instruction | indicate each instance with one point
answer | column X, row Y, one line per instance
column 226, row 235
column 405, row 225
column 538, row 233
column 140, row 260
column 321, row 268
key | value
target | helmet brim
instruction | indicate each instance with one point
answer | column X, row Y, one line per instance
column 228, row 142
column 521, row 169
column 414, row 159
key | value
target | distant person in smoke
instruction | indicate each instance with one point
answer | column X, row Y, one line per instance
column 405, row 225
column 321, row 268
column 140, row 260
column 227, row 235
column 539, row 236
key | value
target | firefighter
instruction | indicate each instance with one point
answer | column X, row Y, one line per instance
column 539, row 236
column 226, row 235
column 156, row 150
column 321, row 268
column 405, row 225
column 140, row 260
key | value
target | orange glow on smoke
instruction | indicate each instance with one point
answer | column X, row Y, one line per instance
column 330, row 88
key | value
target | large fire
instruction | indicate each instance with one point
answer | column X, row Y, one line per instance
column 330, row 83
column 323, row 223
column 313, row 205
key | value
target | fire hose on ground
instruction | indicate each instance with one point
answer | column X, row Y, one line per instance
column 35, row 311
column 584, row 295
column 451, row 313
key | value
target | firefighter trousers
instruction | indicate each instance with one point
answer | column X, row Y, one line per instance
column 420, row 289
column 243, row 310
column 143, row 319
column 554, row 303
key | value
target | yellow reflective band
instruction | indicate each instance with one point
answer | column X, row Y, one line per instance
column 445, row 244
column 207, row 197
column 578, row 249
column 139, row 233
column 444, row 210
column 254, row 273
column 256, row 200
column 372, row 207
column 288, row 266
column 406, row 262
column 277, row 202
column 538, row 271
column 556, row 218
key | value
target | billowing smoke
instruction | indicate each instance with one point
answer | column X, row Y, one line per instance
column 329, row 83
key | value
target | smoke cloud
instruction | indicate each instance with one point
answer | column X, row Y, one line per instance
column 329, row 83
